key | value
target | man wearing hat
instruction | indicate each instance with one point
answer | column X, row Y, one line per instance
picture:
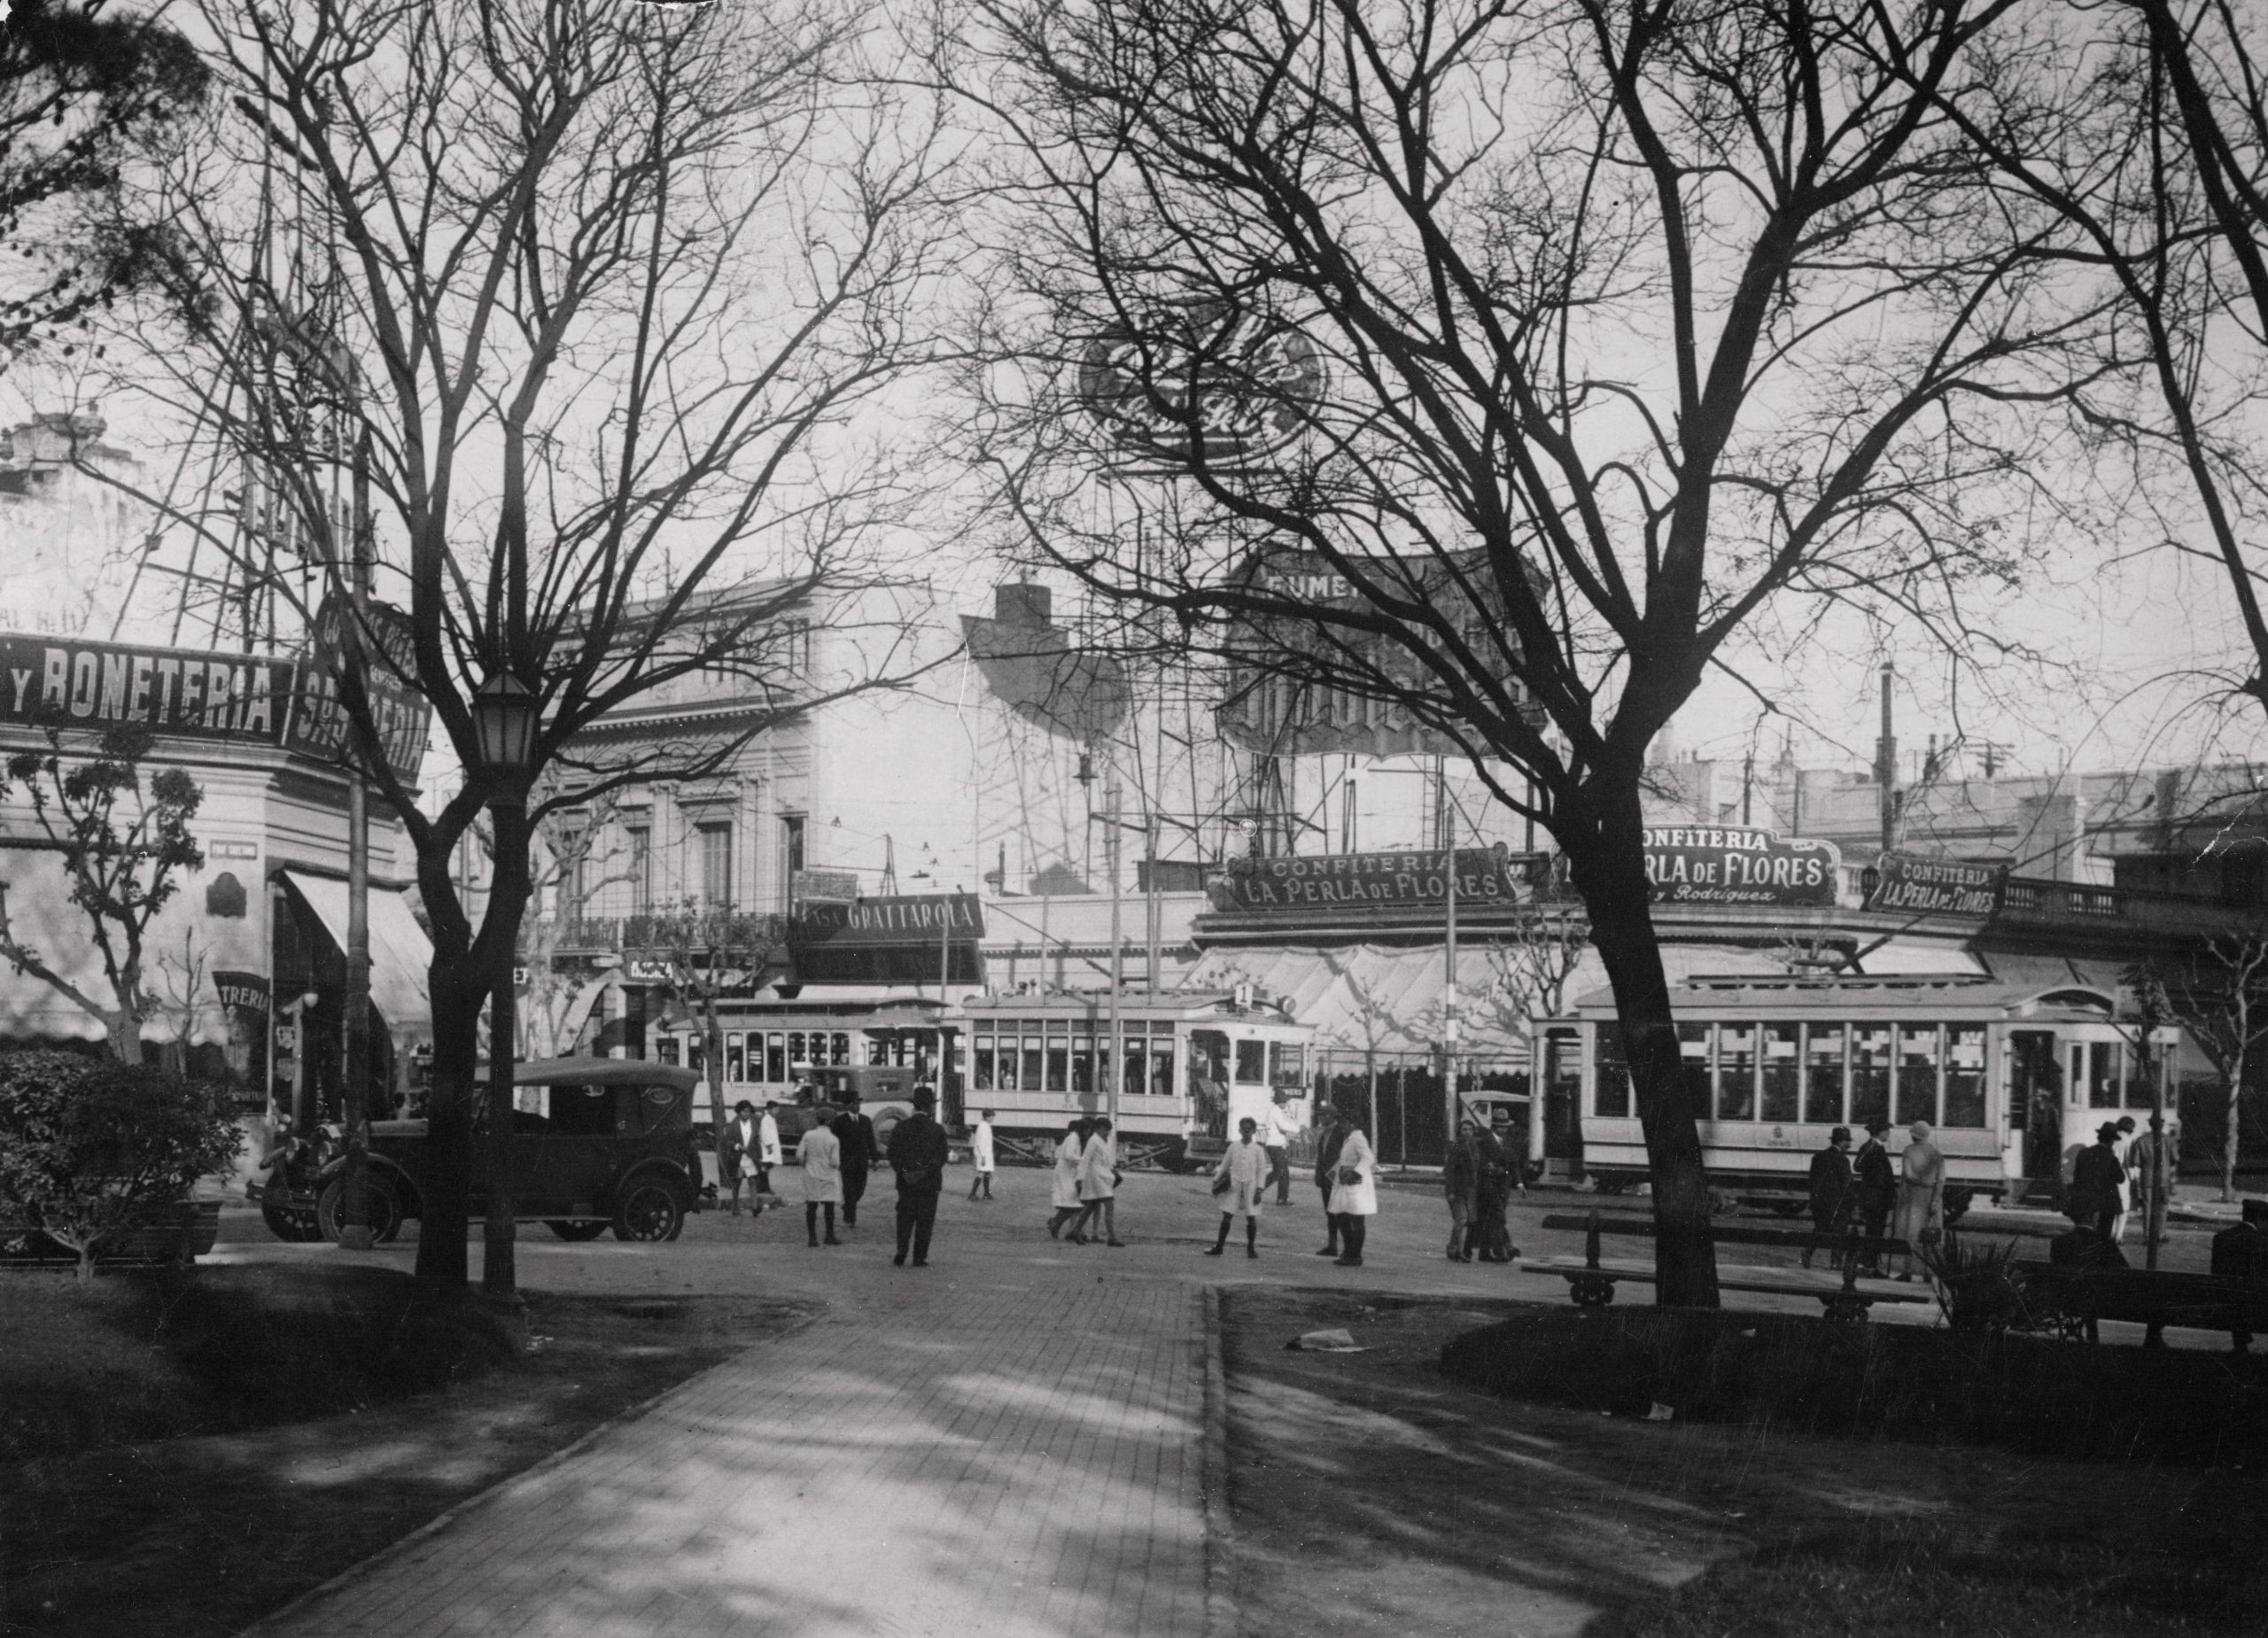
column 736, row 1157
column 917, row 1155
column 1876, row 1187
column 2241, row 1253
column 2098, row 1183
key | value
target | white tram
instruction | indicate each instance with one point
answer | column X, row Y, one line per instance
column 1196, row 1062
column 2011, row 1075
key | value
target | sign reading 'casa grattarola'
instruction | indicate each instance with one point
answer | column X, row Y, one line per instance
column 188, row 694
column 894, row 940
column 1733, row 865
column 1413, row 878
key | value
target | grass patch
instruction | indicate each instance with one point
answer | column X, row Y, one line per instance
column 163, row 1354
column 1891, row 1577
column 1792, row 1374
column 286, row 1470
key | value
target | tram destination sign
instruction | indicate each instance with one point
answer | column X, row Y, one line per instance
column 183, row 693
column 1735, row 865
column 1419, row 877
column 1942, row 887
column 891, row 940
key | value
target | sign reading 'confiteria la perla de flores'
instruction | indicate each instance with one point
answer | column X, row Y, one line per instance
column 1736, row 864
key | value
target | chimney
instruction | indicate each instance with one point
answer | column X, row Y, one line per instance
column 1023, row 602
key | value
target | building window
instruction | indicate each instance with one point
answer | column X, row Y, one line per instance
column 1613, row 1094
column 791, row 854
column 640, row 839
column 574, row 848
column 715, row 865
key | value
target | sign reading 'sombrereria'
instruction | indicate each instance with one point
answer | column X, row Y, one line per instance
column 1943, row 886
column 1733, row 865
column 188, row 694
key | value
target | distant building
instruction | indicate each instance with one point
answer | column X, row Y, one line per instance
column 68, row 541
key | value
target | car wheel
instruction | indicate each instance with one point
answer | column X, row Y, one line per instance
column 649, row 1210
column 291, row 1227
column 384, row 1212
column 575, row 1231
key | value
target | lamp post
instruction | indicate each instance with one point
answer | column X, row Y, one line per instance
column 506, row 714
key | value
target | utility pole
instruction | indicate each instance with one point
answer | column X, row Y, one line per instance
column 1109, row 1058
column 354, row 1227
column 1451, row 1093
column 1156, row 910
column 1886, row 766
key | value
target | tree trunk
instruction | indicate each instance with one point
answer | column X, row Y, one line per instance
column 446, row 1187
column 1610, row 871
column 123, row 1032
column 499, row 1268
column 2229, row 1137
column 84, row 1274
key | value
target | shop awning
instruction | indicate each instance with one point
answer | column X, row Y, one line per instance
column 401, row 954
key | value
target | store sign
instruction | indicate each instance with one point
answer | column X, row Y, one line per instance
column 319, row 726
column 1733, row 865
column 1301, row 688
column 186, row 694
column 1334, row 879
column 1942, row 887
column 810, row 886
column 244, row 998
column 895, row 940
column 1204, row 378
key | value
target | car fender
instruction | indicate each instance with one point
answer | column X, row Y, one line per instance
column 660, row 1165
column 405, row 1191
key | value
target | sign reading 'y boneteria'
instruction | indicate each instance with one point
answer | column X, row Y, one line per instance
column 190, row 694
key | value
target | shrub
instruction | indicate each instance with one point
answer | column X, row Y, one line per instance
column 90, row 1151
column 1978, row 1285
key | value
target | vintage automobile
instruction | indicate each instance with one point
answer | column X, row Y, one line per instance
column 612, row 1146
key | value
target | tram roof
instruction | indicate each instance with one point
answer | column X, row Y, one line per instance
column 1847, row 993
column 1199, row 1006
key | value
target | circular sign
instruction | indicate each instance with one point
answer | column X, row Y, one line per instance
column 1201, row 381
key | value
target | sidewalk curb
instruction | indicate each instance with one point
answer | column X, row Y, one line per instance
column 273, row 1621
column 1220, row 1542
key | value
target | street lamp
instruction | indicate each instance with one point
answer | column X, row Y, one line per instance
column 505, row 715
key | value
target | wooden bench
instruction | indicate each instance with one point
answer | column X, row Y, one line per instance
column 2075, row 1299
column 1591, row 1281
column 187, row 1235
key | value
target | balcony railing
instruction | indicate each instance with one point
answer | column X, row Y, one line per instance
column 2032, row 900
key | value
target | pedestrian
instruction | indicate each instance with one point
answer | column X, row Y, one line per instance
column 2239, row 1255
column 1069, row 1149
column 1098, row 1184
column 1493, row 1175
column 1354, row 1191
column 917, row 1155
column 1283, row 1126
column 2152, row 1163
column 1461, row 1183
column 1329, row 1134
column 2125, row 1178
column 1920, row 1195
column 1877, row 1188
column 979, row 1149
column 768, row 1156
column 855, row 1131
column 821, row 1154
column 2098, row 1183
column 1239, row 1182
column 1831, row 1180
column 736, row 1157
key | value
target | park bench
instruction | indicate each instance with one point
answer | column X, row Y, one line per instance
column 2074, row 1298
column 184, row 1235
column 1591, row 1279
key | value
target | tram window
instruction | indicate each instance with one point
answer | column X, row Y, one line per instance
column 983, row 1061
column 1082, row 1063
column 1917, row 1073
column 775, row 1057
column 1251, row 1063
column 1035, row 1055
column 1735, row 1072
column 735, row 1058
column 2102, row 1074
column 1059, row 1061
column 796, row 1056
column 1870, row 1073
column 696, row 1055
column 2138, row 1077
column 1965, row 1075
column 1693, row 1041
column 1613, row 1097
column 1823, row 1075
column 1162, row 1061
column 1137, row 1065
column 667, row 1047
column 1287, row 1066
column 1779, row 1097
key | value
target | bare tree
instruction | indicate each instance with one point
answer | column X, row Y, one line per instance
column 596, row 305
column 1512, row 363
column 2221, row 1002
column 701, row 955
column 124, row 844
column 573, row 863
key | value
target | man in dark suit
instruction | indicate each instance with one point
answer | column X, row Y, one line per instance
column 855, row 1131
column 1831, row 1179
column 917, row 1155
column 1876, row 1187
column 740, row 1140
column 1331, row 1138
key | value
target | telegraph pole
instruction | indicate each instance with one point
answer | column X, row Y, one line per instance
column 1117, row 946
column 355, row 1228
column 1886, row 766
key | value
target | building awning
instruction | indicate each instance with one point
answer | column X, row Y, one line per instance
column 401, row 954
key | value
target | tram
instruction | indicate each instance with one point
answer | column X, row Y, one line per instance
column 774, row 1049
column 2011, row 1076
column 1196, row 1063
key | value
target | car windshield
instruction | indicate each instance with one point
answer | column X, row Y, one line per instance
column 582, row 1110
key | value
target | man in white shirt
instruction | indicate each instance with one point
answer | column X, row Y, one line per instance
column 980, row 1146
column 768, row 1156
column 1282, row 1127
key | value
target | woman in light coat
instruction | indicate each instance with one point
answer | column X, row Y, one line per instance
column 1068, row 1153
column 1245, row 1170
column 1920, row 1192
column 821, row 1154
column 1098, row 1184
column 1353, row 1192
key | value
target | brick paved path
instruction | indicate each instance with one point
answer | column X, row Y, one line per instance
column 937, row 1456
